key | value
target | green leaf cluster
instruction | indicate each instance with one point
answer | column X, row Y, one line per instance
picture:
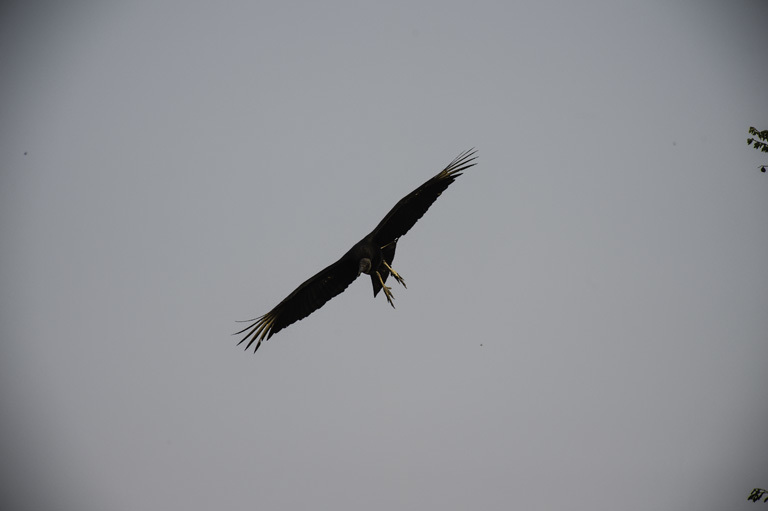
column 757, row 494
column 757, row 144
column 760, row 145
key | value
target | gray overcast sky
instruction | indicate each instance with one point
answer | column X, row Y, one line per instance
column 585, row 325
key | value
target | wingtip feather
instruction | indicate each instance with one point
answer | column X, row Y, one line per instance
column 260, row 329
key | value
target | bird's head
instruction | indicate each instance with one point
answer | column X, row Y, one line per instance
column 365, row 266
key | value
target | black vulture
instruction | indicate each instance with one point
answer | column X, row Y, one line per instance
column 372, row 255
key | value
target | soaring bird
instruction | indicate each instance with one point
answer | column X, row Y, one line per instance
column 372, row 255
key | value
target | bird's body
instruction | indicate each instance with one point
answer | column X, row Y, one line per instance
column 372, row 255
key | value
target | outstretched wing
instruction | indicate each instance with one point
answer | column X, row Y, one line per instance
column 305, row 299
column 407, row 212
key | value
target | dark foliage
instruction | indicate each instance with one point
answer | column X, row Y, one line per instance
column 757, row 494
column 760, row 145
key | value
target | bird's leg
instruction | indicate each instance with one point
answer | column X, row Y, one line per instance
column 395, row 275
column 387, row 290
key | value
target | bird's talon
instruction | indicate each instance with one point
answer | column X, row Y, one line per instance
column 395, row 275
column 387, row 293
